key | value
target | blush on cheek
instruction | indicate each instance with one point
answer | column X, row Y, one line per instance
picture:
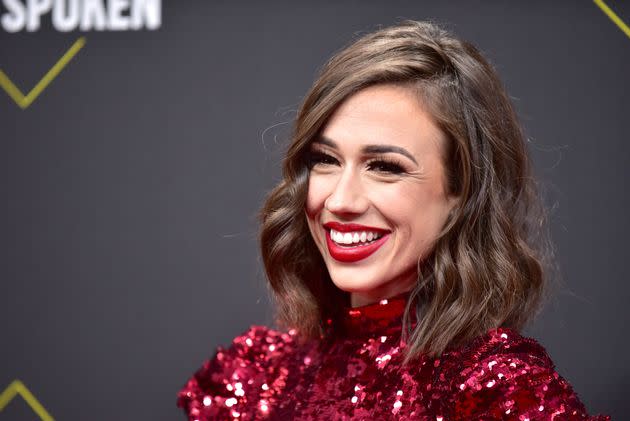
column 310, row 207
column 315, row 198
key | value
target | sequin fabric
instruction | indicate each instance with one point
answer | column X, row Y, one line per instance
column 267, row 375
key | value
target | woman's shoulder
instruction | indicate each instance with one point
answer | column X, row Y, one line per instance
column 235, row 374
column 503, row 373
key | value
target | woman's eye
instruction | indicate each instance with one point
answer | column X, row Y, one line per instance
column 320, row 158
column 385, row 166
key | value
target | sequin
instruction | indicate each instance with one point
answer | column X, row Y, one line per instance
column 266, row 375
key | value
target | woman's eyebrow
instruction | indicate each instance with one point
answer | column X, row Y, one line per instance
column 369, row 149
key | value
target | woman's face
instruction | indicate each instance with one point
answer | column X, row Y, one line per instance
column 376, row 195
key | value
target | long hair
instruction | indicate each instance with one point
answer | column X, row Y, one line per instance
column 487, row 267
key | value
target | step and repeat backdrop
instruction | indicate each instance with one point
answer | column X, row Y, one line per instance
column 138, row 139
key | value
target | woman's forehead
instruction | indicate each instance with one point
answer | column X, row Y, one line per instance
column 383, row 115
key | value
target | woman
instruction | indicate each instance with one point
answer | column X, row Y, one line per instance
column 403, row 250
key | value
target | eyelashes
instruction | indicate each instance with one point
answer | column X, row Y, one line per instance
column 319, row 158
column 378, row 164
column 386, row 166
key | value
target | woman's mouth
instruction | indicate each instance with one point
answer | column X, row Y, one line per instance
column 353, row 246
column 357, row 238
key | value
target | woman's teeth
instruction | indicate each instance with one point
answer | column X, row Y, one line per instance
column 357, row 237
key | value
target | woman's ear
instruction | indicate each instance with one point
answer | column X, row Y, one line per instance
column 453, row 203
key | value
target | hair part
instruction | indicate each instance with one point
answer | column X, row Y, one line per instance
column 488, row 266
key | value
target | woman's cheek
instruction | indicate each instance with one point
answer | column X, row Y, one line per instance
column 316, row 195
column 394, row 196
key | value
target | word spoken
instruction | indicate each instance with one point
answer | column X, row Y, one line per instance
column 84, row 15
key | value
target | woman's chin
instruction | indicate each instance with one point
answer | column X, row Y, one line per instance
column 356, row 284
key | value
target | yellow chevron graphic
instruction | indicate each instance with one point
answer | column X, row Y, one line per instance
column 613, row 16
column 17, row 387
column 24, row 101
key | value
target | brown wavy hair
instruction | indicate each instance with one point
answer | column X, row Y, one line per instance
column 487, row 267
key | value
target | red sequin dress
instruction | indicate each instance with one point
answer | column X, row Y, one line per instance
column 266, row 375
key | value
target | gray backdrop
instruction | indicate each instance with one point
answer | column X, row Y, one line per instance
column 131, row 185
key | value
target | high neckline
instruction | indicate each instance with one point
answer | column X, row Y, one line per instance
column 379, row 318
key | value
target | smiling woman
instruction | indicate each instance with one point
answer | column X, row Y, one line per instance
column 383, row 177
column 405, row 250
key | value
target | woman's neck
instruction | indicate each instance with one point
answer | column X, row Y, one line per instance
column 359, row 299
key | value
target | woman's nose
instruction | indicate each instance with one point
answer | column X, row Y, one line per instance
column 347, row 196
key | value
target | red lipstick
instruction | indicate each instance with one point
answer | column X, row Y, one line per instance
column 353, row 253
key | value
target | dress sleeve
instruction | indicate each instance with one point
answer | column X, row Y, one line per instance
column 239, row 380
column 517, row 382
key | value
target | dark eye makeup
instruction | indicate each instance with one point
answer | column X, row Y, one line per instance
column 379, row 164
column 386, row 165
column 317, row 158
